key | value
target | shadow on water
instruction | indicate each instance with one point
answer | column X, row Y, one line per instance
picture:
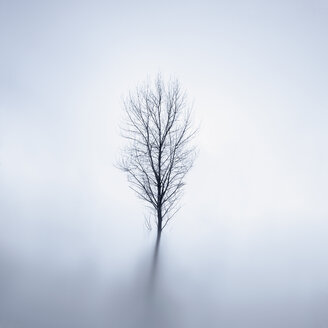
column 157, row 309
column 154, row 266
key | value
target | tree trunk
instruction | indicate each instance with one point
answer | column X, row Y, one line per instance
column 158, row 240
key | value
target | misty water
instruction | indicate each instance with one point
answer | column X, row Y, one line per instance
column 71, row 261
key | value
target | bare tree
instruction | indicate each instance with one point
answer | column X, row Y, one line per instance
column 159, row 150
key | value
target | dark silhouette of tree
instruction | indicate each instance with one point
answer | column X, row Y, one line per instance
column 159, row 151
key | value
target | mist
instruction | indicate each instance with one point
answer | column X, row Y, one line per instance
column 248, row 247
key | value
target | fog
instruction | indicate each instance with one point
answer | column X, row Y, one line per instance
column 248, row 247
